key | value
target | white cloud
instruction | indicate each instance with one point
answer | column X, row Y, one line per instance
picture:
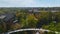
column 21, row 3
column 29, row 3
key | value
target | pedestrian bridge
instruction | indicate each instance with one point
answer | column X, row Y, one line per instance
column 30, row 29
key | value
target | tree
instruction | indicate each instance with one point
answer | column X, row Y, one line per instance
column 52, row 26
column 31, row 20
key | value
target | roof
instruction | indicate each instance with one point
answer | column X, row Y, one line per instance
column 2, row 16
column 7, row 17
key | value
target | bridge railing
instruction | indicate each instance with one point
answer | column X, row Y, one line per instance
column 30, row 29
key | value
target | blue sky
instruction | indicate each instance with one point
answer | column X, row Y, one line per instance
column 29, row 3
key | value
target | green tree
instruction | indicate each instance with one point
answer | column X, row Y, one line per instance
column 52, row 26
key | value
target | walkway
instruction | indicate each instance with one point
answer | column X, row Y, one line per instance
column 29, row 30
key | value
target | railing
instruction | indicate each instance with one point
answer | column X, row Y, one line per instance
column 36, row 29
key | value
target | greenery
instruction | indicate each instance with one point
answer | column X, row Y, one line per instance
column 49, row 20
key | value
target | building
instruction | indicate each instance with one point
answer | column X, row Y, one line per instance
column 7, row 20
column 8, row 17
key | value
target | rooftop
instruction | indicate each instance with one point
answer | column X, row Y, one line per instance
column 6, row 17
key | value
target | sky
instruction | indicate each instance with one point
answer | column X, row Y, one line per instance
column 29, row 3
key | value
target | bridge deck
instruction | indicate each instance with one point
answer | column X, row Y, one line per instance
column 30, row 30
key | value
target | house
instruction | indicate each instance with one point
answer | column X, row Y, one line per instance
column 7, row 20
column 8, row 17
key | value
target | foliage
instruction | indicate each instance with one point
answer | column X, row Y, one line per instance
column 26, row 19
column 52, row 27
column 32, row 21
